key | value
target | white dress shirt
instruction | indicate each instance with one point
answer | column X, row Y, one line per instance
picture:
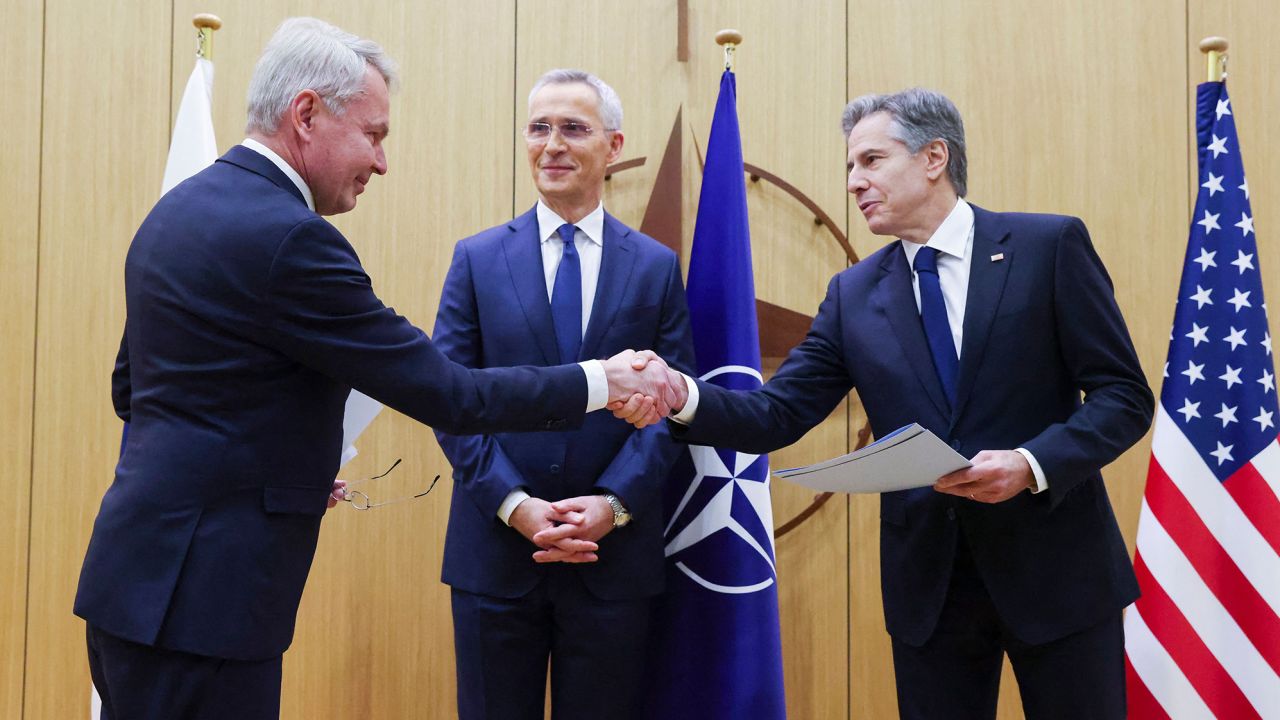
column 597, row 382
column 954, row 242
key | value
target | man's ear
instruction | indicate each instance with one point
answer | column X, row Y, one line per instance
column 615, row 145
column 303, row 111
column 937, row 154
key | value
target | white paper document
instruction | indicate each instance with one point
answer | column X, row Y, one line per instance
column 909, row 457
column 361, row 410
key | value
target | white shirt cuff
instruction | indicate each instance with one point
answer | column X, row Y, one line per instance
column 685, row 416
column 508, row 506
column 597, row 385
column 1042, row 483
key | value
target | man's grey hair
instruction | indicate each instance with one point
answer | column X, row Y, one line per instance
column 310, row 54
column 610, row 105
column 919, row 117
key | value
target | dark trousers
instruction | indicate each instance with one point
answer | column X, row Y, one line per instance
column 956, row 674
column 596, row 650
column 141, row 682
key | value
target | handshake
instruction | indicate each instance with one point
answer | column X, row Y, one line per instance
column 642, row 389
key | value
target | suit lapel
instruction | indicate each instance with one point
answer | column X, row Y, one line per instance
column 254, row 162
column 616, row 264
column 986, row 286
column 896, row 299
column 523, row 250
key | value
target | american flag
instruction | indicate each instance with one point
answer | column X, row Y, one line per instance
column 1203, row 641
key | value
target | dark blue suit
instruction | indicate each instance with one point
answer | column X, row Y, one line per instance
column 249, row 320
column 494, row 312
column 1041, row 326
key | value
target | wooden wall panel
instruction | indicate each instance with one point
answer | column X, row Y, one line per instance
column 1056, row 102
column 105, row 130
column 21, row 52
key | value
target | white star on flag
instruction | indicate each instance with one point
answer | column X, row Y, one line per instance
column 1202, row 297
column 1198, row 334
column 1240, row 299
column 1189, row 409
column 1210, row 222
column 1266, row 343
column 1206, row 259
column 1213, row 184
column 1263, row 420
column 1245, row 224
column 1193, row 371
column 1243, row 260
column 1236, row 338
column 1224, row 108
column 1223, row 453
column 1267, row 381
column 1227, row 415
column 1245, row 187
column 1231, row 376
column 1218, row 146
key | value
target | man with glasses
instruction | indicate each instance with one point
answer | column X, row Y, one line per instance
column 554, row 547
column 249, row 321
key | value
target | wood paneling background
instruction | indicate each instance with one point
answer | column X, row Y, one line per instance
column 1083, row 109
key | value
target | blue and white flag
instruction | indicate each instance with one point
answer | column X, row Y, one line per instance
column 717, row 644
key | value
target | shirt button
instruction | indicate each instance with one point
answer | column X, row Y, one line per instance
column 555, row 469
column 951, row 513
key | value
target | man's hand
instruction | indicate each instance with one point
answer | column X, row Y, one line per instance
column 586, row 518
column 645, row 374
column 535, row 516
column 338, row 493
column 996, row 476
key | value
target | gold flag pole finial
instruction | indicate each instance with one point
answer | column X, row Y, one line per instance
column 730, row 39
column 205, row 25
column 1215, row 48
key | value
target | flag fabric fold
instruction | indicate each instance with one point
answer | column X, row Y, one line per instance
column 717, row 650
column 1203, row 641
column 192, row 146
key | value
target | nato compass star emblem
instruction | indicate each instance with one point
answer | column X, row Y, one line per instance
column 721, row 533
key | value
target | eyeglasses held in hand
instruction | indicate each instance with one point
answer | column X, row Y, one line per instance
column 570, row 131
column 360, row 501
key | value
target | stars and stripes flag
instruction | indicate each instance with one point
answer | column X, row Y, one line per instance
column 1203, row 641
column 717, row 648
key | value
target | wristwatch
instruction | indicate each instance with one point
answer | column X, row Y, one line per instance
column 620, row 515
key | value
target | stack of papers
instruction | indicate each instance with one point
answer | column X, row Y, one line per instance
column 909, row 457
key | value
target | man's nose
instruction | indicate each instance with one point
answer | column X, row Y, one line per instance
column 380, row 161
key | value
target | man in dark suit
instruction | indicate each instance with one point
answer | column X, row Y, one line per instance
column 249, row 320
column 989, row 343
column 563, row 281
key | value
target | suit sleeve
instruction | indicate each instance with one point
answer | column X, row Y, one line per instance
column 480, row 467
column 320, row 309
column 638, row 472
column 811, row 382
column 1100, row 357
column 121, row 385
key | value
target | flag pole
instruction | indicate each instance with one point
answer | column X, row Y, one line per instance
column 1215, row 49
column 730, row 39
column 205, row 24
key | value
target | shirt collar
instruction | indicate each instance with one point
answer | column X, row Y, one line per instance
column 592, row 225
column 285, row 168
column 951, row 237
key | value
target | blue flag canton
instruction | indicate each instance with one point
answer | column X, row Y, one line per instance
column 1220, row 379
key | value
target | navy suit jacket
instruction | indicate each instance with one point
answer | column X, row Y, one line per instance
column 494, row 312
column 1041, row 326
column 249, row 321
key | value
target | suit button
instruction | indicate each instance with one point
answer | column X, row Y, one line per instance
column 951, row 513
column 555, row 469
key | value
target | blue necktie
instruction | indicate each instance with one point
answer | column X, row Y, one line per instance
column 937, row 329
column 566, row 299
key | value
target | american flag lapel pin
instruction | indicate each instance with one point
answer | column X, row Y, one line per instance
column 997, row 257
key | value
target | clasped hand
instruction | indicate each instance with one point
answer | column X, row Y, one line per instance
column 642, row 389
column 565, row 531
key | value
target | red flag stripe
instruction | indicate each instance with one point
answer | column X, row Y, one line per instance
column 1170, row 627
column 1257, row 501
column 1142, row 704
column 1256, row 618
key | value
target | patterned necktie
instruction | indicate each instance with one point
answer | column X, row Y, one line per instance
column 566, row 298
column 937, row 329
